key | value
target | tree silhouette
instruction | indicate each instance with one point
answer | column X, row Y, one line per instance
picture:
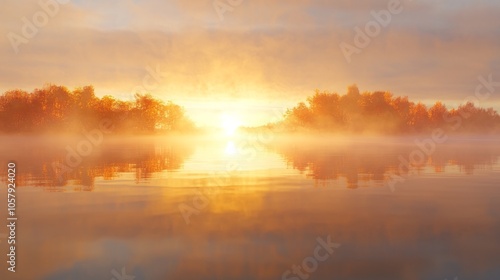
column 437, row 114
column 383, row 113
column 56, row 109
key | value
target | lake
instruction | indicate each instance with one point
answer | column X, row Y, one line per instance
column 253, row 207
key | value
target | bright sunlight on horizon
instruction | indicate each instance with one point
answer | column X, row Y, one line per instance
column 250, row 139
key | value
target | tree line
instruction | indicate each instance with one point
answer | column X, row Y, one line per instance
column 381, row 112
column 56, row 109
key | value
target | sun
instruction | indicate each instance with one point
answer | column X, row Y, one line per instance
column 230, row 123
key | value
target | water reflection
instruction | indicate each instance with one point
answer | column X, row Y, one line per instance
column 259, row 234
column 48, row 162
column 371, row 162
column 265, row 219
column 353, row 162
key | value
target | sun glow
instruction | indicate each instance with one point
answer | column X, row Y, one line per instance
column 230, row 149
column 230, row 124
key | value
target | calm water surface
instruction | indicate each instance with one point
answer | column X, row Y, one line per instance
column 252, row 208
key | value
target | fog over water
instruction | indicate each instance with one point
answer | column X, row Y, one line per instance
column 250, row 206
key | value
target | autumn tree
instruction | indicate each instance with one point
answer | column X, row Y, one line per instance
column 14, row 111
column 299, row 116
column 419, row 117
column 383, row 113
column 437, row 115
column 56, row 109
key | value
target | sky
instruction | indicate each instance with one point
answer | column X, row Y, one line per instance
column 251, row 59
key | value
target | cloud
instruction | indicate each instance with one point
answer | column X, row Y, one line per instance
column 261, row 50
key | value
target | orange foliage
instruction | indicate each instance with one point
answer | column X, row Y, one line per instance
column 382, row 112
column 56, row 109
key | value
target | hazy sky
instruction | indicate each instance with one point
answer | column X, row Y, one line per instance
column 259, row 55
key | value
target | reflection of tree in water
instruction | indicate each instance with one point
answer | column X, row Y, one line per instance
column 143, row 158
column 371, row 163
